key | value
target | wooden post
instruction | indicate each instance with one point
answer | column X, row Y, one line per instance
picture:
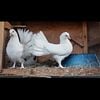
column 85, row 37
column 7, row 26
column 3, row 26
column 1, row 43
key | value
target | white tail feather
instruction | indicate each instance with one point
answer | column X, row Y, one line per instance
column 25, row 35
column 40, row 40
column 26, row 39
column 42, row 36
column 33, row 43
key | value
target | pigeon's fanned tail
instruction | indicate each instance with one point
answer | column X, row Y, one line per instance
column 39, row 40
column 42, row 36
column 25, row 35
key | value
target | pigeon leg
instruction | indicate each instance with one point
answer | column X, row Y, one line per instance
column 13, row 65
column 58, row 60
column 60, row 64
column 22, row 66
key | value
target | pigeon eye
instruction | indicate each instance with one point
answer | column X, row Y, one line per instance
column 66, row 35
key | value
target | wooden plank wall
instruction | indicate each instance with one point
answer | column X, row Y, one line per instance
column 85, row 38
column 94, row 37
column 94, row 33
column 7, row 26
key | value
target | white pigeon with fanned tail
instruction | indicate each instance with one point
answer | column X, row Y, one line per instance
column 18, row 47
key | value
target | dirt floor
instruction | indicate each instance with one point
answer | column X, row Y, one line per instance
column 50, row 72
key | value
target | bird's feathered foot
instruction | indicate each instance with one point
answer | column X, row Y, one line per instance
column 61, row 67
column 22, row 66
column 13, row 65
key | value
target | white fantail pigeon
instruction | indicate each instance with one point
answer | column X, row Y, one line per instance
column 15, row 49
column 41, row 47
column 18, row 47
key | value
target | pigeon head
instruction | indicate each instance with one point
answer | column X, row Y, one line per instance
column 65, row 35
column 12, row 32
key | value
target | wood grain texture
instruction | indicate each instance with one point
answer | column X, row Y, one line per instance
column 4, row 27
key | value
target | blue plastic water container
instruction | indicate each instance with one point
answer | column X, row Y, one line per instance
column 81, row 60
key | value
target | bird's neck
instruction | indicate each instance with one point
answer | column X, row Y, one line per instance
column 15, row 39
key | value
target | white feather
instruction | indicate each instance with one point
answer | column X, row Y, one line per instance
column 20, row 50
column 36, row 44
column 58, row 51
column 14, row 49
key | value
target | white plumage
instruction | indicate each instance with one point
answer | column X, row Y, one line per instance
column 30, row 45
column 58, row 51
column 18, row 47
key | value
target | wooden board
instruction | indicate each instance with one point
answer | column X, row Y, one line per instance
column 85, row 38
column 51, row 72
column 1, row 43
column 4, row 27
column 93, row 33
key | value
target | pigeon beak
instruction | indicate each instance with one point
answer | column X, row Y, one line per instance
column 68, row 37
